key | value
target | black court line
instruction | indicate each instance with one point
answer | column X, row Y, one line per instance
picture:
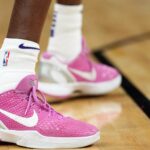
column 126, row 41
column 139, row 98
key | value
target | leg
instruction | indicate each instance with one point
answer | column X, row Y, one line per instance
column 66, row 29
column 19, row 52
column 67, row 45
column 27, row 19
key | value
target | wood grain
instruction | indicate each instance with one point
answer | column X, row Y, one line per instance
column 105, row 22
column 134, row 61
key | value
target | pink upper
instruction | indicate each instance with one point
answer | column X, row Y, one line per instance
column 23, row 100
column 83, row 63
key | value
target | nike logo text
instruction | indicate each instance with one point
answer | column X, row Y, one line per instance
column 27, row 47
column 28, row 122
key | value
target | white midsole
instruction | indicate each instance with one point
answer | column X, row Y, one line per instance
column 56, row 89
column 33, row 139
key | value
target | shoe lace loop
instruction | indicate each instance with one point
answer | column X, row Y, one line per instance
column 40, row 100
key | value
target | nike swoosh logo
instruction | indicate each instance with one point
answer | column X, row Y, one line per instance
column 22, row 46
column 86, row 75
column 28, row 122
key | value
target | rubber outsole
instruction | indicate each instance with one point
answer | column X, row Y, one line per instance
column 33, row 139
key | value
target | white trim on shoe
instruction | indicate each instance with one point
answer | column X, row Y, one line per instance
column 79, row 88
column 32, row 139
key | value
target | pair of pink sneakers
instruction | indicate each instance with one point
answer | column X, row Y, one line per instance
column 26, row 119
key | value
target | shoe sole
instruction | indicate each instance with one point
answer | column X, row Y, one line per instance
column 79, row 89
column 33, row 139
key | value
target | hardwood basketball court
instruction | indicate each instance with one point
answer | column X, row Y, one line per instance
column 119, row 33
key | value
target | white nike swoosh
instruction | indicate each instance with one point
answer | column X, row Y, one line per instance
column 86, row 75
column 28, row 122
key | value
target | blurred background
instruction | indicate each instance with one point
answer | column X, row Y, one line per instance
column 121, row 29
column 105, row 21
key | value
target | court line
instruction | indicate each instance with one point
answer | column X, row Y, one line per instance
column 139, row 98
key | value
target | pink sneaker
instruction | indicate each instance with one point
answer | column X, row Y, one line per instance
column 80, row 77
column 28, row 120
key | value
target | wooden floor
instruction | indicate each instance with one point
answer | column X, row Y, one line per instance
column 123, row 125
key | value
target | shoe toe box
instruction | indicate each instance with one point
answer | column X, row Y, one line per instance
column 75, row 128
column 106, row 73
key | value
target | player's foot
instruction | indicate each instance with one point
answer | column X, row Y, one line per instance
column 26, row 119
column 80, row 77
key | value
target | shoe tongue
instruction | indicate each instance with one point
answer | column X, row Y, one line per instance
column 27, row 83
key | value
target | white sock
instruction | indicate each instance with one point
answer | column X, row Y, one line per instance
column 18, row 58
column 66, row 31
